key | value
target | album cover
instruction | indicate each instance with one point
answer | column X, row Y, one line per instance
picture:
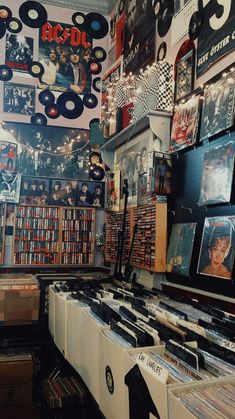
column 185, row 124
column 19, row 52
column 142, row 189
column 180, row 248
column 160, row 181
column 218, row 106
column 63, row 192
column 66, row 64
column 91, row 194
column 8, row 154
column 9, row 186
column 217, row 175
column 34, row 191
column 19, row 98
column 216, row 256
column 51, row 151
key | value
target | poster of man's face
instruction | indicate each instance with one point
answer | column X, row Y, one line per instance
column 34, row 191
column 51, row 151
column 19, row 98
column 63, row 192
column 19, row 52
column 8, row 154
column 9, row 186
column 91, row 194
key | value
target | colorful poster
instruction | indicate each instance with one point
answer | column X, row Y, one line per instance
column 217, row 175
column 19, row 98
column 9, row 186
column 180, row 248
column 8, row 153
column 217, row 247
column 216, row 37
column 65, row 53
column 19, row 52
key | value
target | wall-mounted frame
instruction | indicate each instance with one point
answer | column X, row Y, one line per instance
column 184, row 71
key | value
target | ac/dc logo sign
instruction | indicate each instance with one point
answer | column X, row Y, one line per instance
column 56, row 33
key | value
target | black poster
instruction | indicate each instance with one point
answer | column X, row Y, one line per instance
column 218, row 29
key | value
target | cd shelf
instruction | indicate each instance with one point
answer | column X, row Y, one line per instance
column 2, row 231
column 149, row 248
column 53, row 235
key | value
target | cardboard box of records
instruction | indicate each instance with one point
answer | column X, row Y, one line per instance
column 19, row 299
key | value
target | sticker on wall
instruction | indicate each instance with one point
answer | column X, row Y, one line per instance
column 70, row 105
column 6, row 73
column 96, row 25
column 165, row 17
column 33, row 14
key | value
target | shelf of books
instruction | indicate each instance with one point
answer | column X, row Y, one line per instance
column 50, row 235
column 2, row 230
column 149, row 247
column 113, row 226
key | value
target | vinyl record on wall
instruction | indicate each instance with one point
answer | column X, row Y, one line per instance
column 52, row 111
column 156, row 7
column 79, row 20
column 2, row 28
column 36, row 69
column 90, row 100
column 99, row 54
column 70, row 105
column 94, row 121
column 161, row 53
column 97, row 173
column 14, row 25
column 6, row 73
column 96, row 84
column 96, row 25
column 5, row 13
column 46, row 97
column 39, row 119
column 165, row 17
column 195, row 25
column 33, row 14
column 95, row 67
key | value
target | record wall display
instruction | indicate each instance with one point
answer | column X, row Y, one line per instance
column 70, row 105
column 195, row 25
column 33, row 14
column 96, row 25
column 165, row 17
column 6, row 73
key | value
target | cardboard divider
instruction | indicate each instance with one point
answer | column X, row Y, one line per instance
column 60, row 319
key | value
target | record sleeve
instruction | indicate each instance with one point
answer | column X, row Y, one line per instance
column 217, row 175
column 185, row 124
column 217, row 247
column 218, row 106
column 9, row 186
column 19, row 52
column 19, row 99
column 180, row 248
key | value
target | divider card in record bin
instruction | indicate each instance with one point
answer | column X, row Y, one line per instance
column 60, row 320
column 51, row 314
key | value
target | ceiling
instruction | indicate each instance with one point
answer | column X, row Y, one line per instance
column 101, row 6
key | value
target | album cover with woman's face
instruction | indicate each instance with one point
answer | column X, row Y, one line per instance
column 217, row 175
column 217, row 247
column 180, row 248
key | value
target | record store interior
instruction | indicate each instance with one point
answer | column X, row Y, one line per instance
column 117, row 209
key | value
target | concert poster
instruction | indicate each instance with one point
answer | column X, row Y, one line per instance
column 65, row 52
column 51, row 151
column 217, row 250
column 160, row 181
column 218, row 106
column 8, row 154
column 19, row 52
column 185, row 124
column 217, row 175
column 34, row 190
column 180, row 248
column 9, row 186
column 19, row 99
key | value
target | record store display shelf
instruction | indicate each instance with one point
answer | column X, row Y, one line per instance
column 50, row 235
column 2, row 230
column 149, row 248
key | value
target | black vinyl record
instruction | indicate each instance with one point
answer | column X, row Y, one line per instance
column 2, row 28
column 52, row 111
column 6, row 73
column 5, row 13
column 39, row 119
column 96, row 25
column 156, row 7
column 33, row 14
column 96, row 84
column 94, row 121
column 161, row 53
column 46, row 97
column 99, row 54
column 36, row 69
column 97, row 173
column 78, row 20
column 195, row 25
column 95, row 67
column 165, row 17
column 90, row 100
column 14, row 25
column 70, row 105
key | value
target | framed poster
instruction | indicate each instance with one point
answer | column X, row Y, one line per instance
column 8, row 154
column 63, row 192
column 218, row 105
column 19, row 52
column 217, row 247
column 217, row 175
column 34, row 190
column 184, row 75
column 9, row 186
column 19, row 98
column 91, row 194
column 185, row 124
column 180, row 248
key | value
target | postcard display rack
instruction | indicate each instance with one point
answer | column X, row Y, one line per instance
column 2, row 231
column 149, row 247
column 53, row 235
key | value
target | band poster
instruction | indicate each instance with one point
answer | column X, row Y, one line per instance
column 65, row 52
column 218, row 30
